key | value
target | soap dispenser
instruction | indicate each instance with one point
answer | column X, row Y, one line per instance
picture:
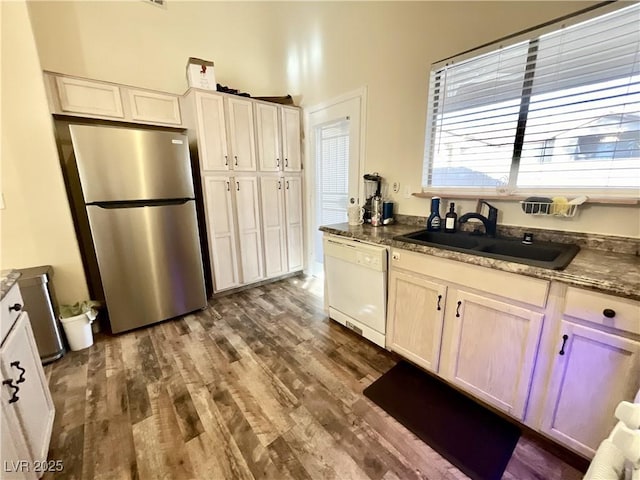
column 434, row 220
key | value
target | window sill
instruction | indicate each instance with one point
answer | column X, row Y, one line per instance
column 599, row 199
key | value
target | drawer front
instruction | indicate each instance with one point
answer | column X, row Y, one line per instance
column 615, row 312
column 8, row 317
column 154, row 107
column 531, row 291
column 93, row 98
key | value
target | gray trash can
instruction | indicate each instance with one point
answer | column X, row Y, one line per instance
column 39, row 301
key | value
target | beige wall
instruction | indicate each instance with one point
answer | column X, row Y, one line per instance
column 312, row 50
column 36, row 226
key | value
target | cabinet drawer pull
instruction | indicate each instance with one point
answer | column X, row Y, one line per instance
column 227, row 186
column 286, row 162
column 236, row 159
column 226, row 161
column 238, row 186
column 16, row 306
column 22, row 371
column 279, row 185
column 278, row 162
column 14, row 395
column 609, row 313
column 439, row 298
column 287, row 184
column 458, row 308
column 564, row 341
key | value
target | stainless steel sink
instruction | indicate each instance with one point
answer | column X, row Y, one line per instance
column 551, row 255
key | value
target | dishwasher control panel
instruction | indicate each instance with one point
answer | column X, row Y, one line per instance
column 369, row 260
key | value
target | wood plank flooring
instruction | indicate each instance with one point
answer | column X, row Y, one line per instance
column 259, row 385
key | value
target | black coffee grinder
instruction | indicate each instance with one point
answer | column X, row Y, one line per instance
column 372, row 184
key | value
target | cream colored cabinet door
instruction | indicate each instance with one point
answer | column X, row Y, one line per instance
column 25, row 389
column 17, row 463
column 594, row 372
column 492, row 350
column 154, row 107
column 273, row 225
column 293, row 208
column 416, row 315
column 212, row 134
column 93, row 98
column 241, row 134
column 220, row 219
column 291, row 139
column 249, row 232
column 268, row 137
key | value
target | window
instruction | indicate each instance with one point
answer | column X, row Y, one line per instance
column 558, row 108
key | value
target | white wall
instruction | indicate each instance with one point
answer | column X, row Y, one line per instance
column 312, row 50
column 36, row 225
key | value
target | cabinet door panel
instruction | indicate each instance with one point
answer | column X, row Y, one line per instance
column 221, row 231
column 291, row 139
column 494, row 350
column 86, row 96
column 273, row 226
column 212, row 141
column 595, row 373
column 249, row 228
column 268, row 137
column 242, row 135
column 293, row 204
column 416, row 314
column 14, row 450
column 154, row 107
column 20, row 363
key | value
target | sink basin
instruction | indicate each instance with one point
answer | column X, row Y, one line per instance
column 445, row 239
column 551, row 255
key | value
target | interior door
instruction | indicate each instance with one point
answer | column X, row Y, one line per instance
column 335, row 173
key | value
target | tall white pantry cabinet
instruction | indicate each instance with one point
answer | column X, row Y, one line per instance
column 249, row 155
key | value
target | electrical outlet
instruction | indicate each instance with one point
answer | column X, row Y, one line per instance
column 407, row 191
column 396, row 187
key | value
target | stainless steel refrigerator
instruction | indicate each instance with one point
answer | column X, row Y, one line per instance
column 140, row 231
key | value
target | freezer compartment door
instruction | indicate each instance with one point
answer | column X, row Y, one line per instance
column 150, row 262
column 126, row 164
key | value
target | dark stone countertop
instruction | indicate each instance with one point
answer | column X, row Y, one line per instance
column 603, row 271
column 7, row 279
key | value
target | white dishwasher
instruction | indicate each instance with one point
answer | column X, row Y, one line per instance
column 356, row 286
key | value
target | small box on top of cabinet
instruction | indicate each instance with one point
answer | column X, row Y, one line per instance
column 200, row 74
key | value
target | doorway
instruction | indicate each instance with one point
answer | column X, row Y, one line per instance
column 335, row 146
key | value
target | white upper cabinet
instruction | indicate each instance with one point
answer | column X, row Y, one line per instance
column 153, row 107
column 268, row 137
column 110, row 101
column 241, row 134
column 212, row 133
column 87, row 96
column 291, row 139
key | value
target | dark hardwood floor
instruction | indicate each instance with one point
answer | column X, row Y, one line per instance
column 259, row 385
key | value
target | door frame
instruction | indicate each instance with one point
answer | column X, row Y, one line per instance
column 309, row 176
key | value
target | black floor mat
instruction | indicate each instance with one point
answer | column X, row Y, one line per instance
column 474, row 439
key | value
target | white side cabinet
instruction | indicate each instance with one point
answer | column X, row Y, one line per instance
column 27, row 408
column 96, row 99
column 597, row 365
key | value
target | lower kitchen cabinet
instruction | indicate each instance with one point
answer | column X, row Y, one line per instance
column 293, row 211
column 415, row 318
column 27, row 408
column 492, row 349
column 233, row 224
column 273, row 225
column 593, row 371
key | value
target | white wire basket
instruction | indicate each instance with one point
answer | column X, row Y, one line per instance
column 555, row 209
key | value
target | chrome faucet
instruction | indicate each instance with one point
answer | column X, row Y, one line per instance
column 490, row 222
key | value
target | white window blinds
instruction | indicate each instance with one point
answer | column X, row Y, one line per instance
column 560, row 109
column 332, row 172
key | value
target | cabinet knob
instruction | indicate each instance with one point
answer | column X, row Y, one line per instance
column 609, row 313
column 16, row 306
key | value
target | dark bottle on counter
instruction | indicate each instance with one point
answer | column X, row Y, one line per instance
column 434, row 220
column 451, row 219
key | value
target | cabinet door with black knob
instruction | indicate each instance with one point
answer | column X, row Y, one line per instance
column 24, row 389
